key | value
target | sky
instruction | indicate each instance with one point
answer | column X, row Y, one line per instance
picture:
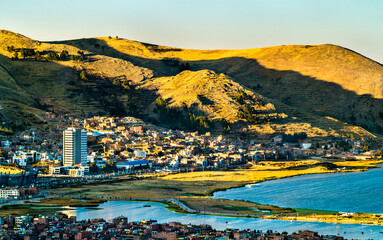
column 204, row 24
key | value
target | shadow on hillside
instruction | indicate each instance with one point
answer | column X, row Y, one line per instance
column 291, row 88
column 60, row 89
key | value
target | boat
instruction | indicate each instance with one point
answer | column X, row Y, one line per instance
column 147, row 205
column 251, row 185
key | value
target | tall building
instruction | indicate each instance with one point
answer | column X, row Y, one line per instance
column 74, row 146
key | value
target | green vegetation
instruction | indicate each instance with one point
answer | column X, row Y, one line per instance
column 176, row 116
column 294, row 138
column 122, row 82
column 64, row 54
column 27, row 52
column 53, row 56
column 83, row 75
column 72, row 202
column 161, row 103
column 226, row 84
column 110, row 167
column 5, row 131
column 30, row 209
column 233, row 208
column 313, row 211
column 76, row 58
column 199, row 123
column 11, row 48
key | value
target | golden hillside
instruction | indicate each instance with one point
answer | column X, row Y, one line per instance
column 208, row 92
column 322, row 90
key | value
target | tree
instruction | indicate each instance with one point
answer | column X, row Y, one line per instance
column 267, row 118
column 111, row 163
column 116, row 82
column 83, row 75
column 27, row 52
column 159, row 153
column 184, row 67
column 184, row 105
column 93, row 167
column 377, row 154
column 160, row 102
column 64, row 54
column 126, row 85
column 52, row 56
column 22, row 53
column 16, row 55
column 38, row 56
column 10, row 48
column 365, row 148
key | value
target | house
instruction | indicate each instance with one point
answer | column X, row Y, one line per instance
column 134, row 165
column 9, row 194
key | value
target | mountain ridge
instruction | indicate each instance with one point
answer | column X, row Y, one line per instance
column 312, row 81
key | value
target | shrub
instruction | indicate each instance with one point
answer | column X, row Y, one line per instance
column 117, row 82
column 126, row 85
column 64, row 54
column 15, row 56
column 10, row 48
column 83, row 75
column 38, row 56
column 53, row 56
column 27, row 52
column 160, row 102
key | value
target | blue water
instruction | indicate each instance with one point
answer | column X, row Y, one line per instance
column 136, row 212
column 354, row 192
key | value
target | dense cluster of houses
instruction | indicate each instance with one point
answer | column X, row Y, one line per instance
column 130, row 144
column 129, row 139
column 54, row 227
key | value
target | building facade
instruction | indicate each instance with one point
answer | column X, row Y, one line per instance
column 9, row 194
column 74, row 146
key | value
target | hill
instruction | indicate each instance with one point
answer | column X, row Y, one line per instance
column 323, row 90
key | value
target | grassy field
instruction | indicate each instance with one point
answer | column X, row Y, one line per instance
column 71, row 202
column 359, row 218
column 10, row 170
column 34, row 209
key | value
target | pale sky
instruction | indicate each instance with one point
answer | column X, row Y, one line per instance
column 204, row 24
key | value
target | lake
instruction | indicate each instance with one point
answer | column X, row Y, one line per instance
column 136, row 212
column 353, row 192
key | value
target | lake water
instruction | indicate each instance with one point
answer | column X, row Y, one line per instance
column 354, row 192
column 136, row 212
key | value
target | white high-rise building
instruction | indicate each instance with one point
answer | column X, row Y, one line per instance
column 74, row 146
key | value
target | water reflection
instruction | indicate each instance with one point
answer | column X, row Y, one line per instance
column 136, row 212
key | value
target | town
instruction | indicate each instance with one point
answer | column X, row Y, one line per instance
column 58, row 227
column 101, row 147
column 92, row 150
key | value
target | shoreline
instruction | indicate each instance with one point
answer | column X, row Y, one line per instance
column 193, row 198
column 277, row 178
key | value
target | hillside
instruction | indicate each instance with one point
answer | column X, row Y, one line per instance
column 322, row 90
